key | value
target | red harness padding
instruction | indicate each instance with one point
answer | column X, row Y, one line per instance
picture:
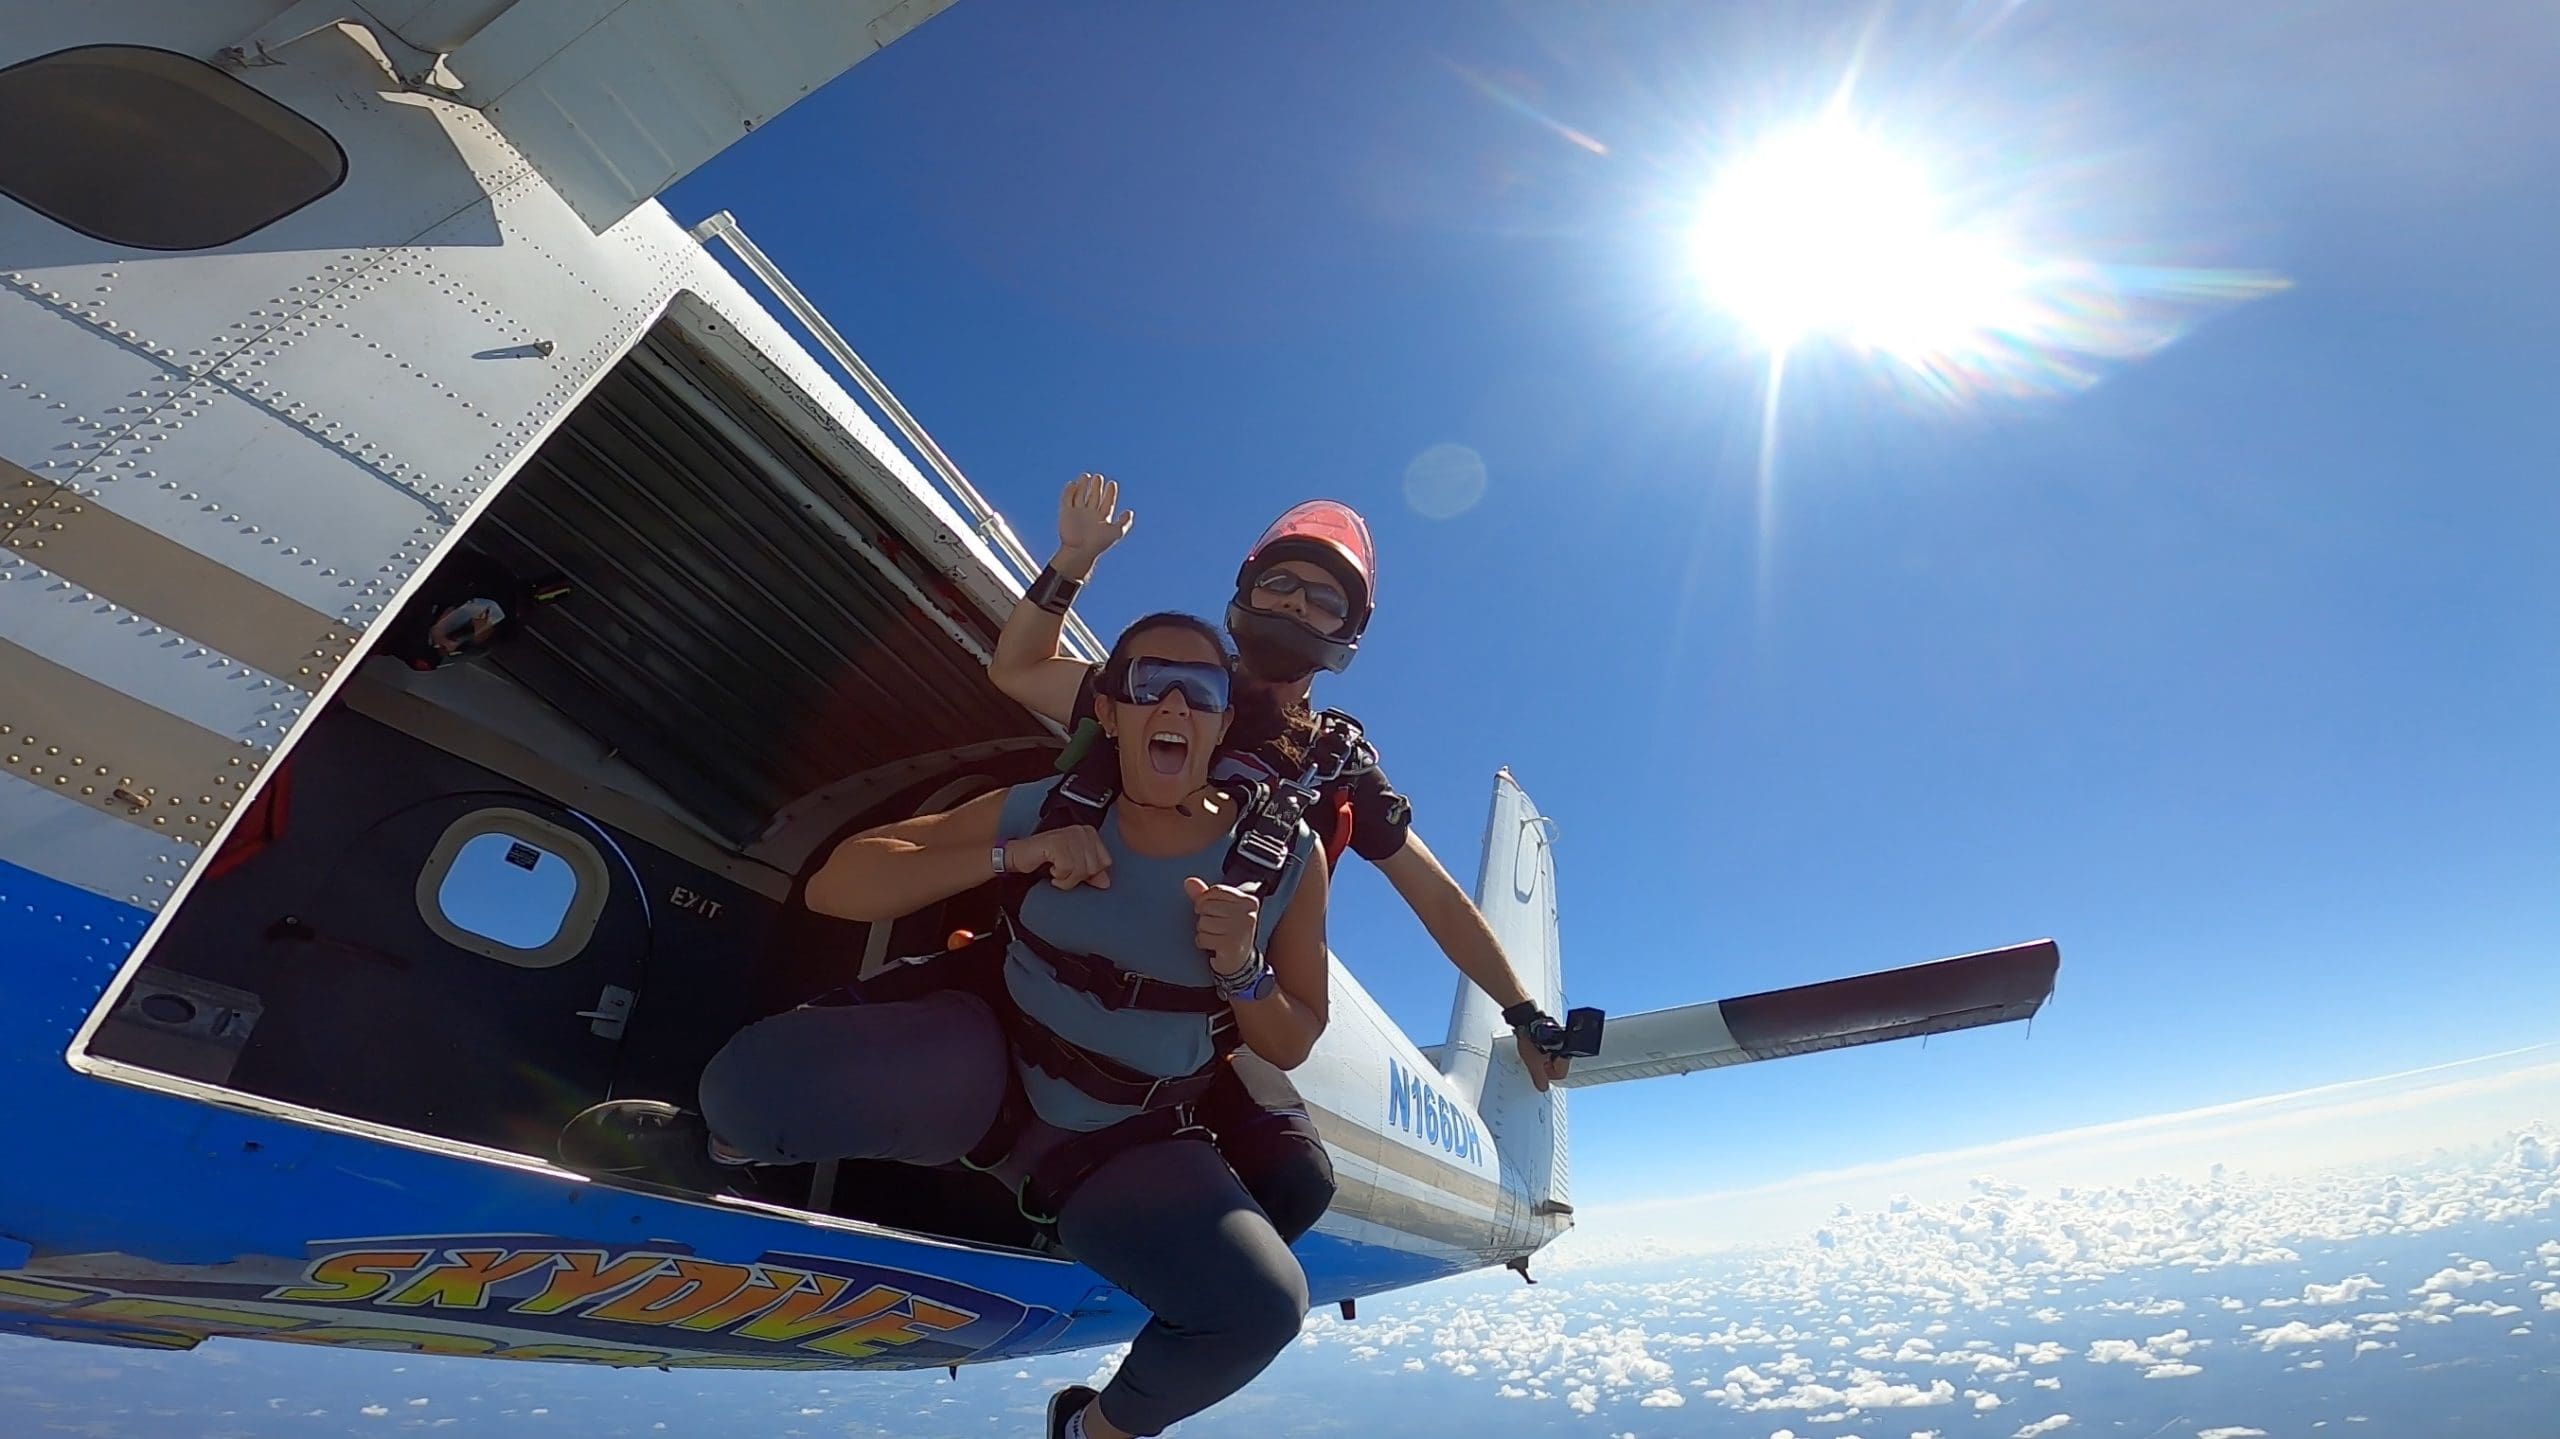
column 1337, row 836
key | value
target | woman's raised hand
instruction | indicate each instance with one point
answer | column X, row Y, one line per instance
column 1087, row 525
column 1226, row 920
column 1073, row 855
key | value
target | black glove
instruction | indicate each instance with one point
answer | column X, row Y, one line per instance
column 1536, row 1025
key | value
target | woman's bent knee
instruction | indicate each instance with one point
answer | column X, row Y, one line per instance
column 1270, row 1314
column 917, row 1081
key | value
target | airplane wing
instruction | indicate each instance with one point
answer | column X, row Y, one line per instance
column 1993, row 987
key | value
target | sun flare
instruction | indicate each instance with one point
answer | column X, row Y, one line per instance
column 1830, row 231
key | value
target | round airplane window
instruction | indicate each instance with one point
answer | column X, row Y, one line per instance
column 513, row 887
column 505, row 889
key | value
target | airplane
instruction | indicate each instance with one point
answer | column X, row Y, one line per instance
column 444, row 615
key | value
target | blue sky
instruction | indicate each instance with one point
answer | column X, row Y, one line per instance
column 2232, row 671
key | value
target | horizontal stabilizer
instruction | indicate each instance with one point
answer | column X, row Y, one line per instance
column 1993, row 987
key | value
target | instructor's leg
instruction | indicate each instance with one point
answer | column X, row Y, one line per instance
column 918, row 1081
column 1170, row 1226
column 1270, row 1141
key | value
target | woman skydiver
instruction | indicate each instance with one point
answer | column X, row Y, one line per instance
column 1303, row 598
column 1139, row 1195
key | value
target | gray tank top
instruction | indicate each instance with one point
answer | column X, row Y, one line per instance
column 1142, row 923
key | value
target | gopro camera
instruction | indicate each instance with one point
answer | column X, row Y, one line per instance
column 1582, row 1033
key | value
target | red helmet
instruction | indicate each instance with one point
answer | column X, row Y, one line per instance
column 1324, row 532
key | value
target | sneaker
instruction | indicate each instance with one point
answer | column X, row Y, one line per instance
column 1064, row 1405
column 644, row 1139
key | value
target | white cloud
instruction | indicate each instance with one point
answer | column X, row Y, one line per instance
column 2298, row 1332
column 1986, row 1401
column 1665, row 1399
column 2235, row 1431
column 373, row 1411
column 2345, row 1291
column 2551, row 1300
column 2445, row 1281
column 1872, row 1392
column 2043, row 1352
column 1411, row 1366
column 417, row 1403
column 2043, row 1426
column 2172, row 1371
column 2049, row 1383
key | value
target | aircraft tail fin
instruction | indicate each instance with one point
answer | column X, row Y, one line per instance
column 1996, row 986
column 1516, row 890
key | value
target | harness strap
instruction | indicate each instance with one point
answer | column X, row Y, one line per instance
column 1113, row 987
column 1105, row 1079
column 1067, row 1165
column 1011, row 1115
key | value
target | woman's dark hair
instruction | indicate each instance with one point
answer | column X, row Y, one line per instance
column 1259, row 722
column 1117, row 664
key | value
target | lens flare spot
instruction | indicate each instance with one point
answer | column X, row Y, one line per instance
column 1444, row 482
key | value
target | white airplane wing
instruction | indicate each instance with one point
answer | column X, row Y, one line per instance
column 1993, row 987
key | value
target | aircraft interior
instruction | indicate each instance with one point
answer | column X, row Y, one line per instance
column 543, row 847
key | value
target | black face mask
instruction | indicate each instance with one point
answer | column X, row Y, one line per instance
column 1274, row 661
column 1268, row 652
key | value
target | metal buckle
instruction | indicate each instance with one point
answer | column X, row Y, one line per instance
column 1068, row 790
column 1128, row 995
column 1262, row 850
column 1149, row 1102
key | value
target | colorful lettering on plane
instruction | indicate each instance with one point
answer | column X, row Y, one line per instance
column 1421, row 1111
column 480, row 1295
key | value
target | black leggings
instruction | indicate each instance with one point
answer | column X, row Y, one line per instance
column 920, row 1081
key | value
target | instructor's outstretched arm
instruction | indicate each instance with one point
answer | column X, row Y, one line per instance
column 1029, row 664
column 1458, row 927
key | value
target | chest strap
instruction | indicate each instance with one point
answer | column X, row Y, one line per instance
column 1106, row 1080
column 1113, row 987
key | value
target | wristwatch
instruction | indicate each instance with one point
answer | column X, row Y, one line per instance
column 1255, row 981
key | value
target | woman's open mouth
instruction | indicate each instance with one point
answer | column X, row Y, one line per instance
column 1168, row 752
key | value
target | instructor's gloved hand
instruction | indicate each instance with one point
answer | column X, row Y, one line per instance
column 1544, row 1068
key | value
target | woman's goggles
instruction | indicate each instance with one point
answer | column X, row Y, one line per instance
column 1320, row 596
column 1147, row 682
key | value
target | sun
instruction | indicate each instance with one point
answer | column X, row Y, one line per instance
column 1829, row 230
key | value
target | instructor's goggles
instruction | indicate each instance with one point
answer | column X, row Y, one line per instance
column 1320, row 596
column 1147, row 682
